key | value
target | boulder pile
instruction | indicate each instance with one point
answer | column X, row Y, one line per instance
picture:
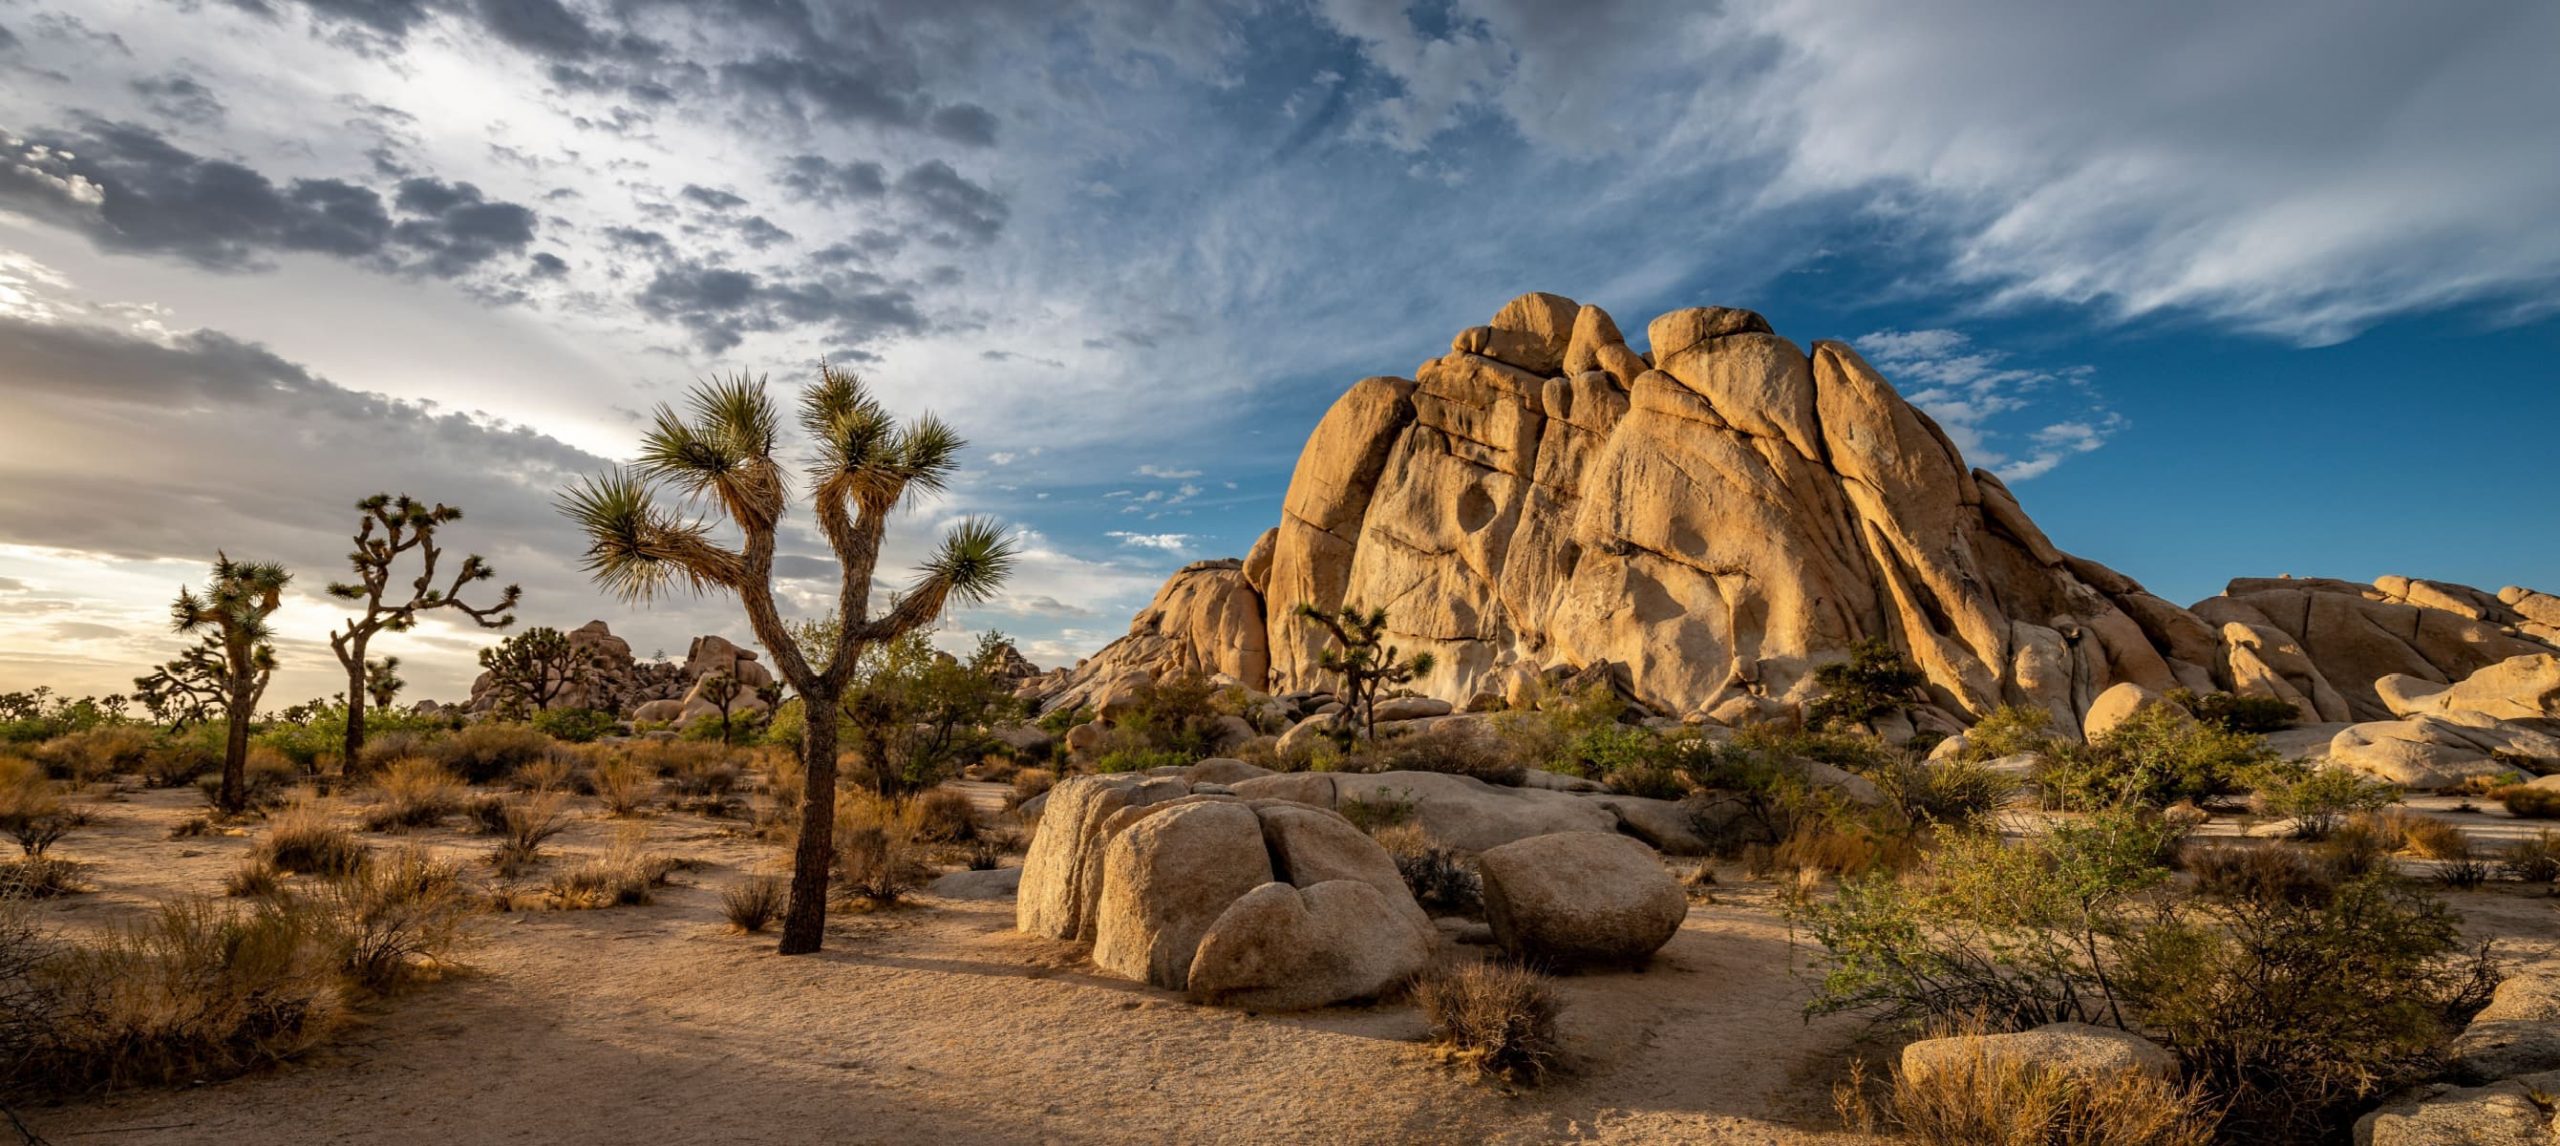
column 612, row 680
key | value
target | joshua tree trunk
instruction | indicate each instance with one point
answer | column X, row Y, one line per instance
column 235, row 749
column 353, row 654
column 804, row 923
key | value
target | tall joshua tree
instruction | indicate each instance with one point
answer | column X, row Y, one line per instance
column 391, row 528
column 382, row 682
column 719, row 455
column 1361, row 654
column 238, row 652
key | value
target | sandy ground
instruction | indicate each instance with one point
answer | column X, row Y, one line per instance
column 938, row 1022
column 941, row 1023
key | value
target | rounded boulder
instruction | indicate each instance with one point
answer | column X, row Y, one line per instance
column 1580, row 899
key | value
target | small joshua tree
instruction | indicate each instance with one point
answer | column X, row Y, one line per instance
column 721, row 689
column 1367, row 663
column 719, row 454
column 382, row 684
column 535, row 667
column 237, row 656
column 391, row 528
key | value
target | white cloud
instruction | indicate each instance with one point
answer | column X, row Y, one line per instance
column 1166, row 473
column 1979, row 400
column 1169, row 542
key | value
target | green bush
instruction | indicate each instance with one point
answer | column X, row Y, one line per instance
column 1954, row 793
column 1875, row 680
column 2157, row 757
column 2232, row 713
column 574, row 725
column 2318, row 799
column 1139, row 759
column 1542, row 735
column 2008, row 731
column 1057, row 721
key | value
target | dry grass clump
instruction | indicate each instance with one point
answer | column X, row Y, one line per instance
column 944, row 816
column 1499, row 1020
column 253, row 879
column 554, row 772
column 1839, row 849
column 1982, row 1101
column 2536, row 860
column 2404, row 832
column 302, row 839
column 202, row 990
column 176, row 761
column 877, row 861
column 416, row 793
column 382, row 749
column 623, row 783
column 2269, row 873
column 1445, row 748
column 705, row 782
column 2528, row 802
column 32, row 812
column 525, row 824
column 398, row 920
column 266, row 778
column 1443, row 881
column 487, row 753
column 39, row 877
column 622, row 877
column 753, row 905
column 95, row 754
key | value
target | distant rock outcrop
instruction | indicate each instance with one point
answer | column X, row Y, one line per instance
column 615, row 681
column 1704, row 523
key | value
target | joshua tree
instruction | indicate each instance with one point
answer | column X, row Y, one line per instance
column 391, row 527
column 187, row 690
column 382, row 684
column 1360, row 653
column 719, row 454
column 721, row 689
column 533, row 668
column 237, row 654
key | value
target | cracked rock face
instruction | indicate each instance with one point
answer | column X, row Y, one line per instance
column 1720, row 513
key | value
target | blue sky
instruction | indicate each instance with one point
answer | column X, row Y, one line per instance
column 2225, row 293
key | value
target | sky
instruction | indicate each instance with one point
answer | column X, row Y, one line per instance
column 2223, row 290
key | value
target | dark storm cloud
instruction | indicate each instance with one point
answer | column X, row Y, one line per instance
column 760, row 233
column 816, row 179
column 130, row 189
column 818, row 88
column 180, row 98
column 971, row 212
column 713, row 198
column 719, row 306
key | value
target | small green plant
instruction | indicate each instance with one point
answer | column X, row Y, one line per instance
column 2318, row 799
column 574, row 725
column 2157, row 757
column 2009, row 730
column 1382, row 810
column 1495, row 1019
column 2257, row 714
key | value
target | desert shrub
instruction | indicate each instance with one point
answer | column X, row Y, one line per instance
column 179, row 759
column 2463, row 873
column 1449, row 748
column 1540, row 733
column 528, row 822
column 488, row 814
column 707, row 786
column 2293, row 1014
column 754, row 903
column 623, row 783
column 943, row 815
column 416, row 792
column 1057, row 721
column 198, row 990
column 557, row 771
column 1875, row 680
column 39, row 877
column 302, row 839
column 487, row 752
column 622, row 877
column 1980, row 1100
column 1649, row 781
column 397, row 919
column 1136, row 758
column 2157, row 757
column 31, row 811
column 1030, row 782
column 2318, row 799
column 1496, row 1019
column 2357, row 847
column 2008, row 731
column 1841, row 748
column 385, row 748
column 1959, row 793
column 1443, row 880
column 914, row 714
column 2535, row 860
column 2525, row 801
column 93, row 754
column 1383, row 810
column 2399, row 830
column 574, row 725
column 2255, row 714
column 254, row 879
column 876, row 856
column 1992, row 932
column 1843, row 848
column 987, row 850
column 2269, row 873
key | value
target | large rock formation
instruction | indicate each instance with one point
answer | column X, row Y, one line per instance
column 1707, row 521
column 612, row 680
